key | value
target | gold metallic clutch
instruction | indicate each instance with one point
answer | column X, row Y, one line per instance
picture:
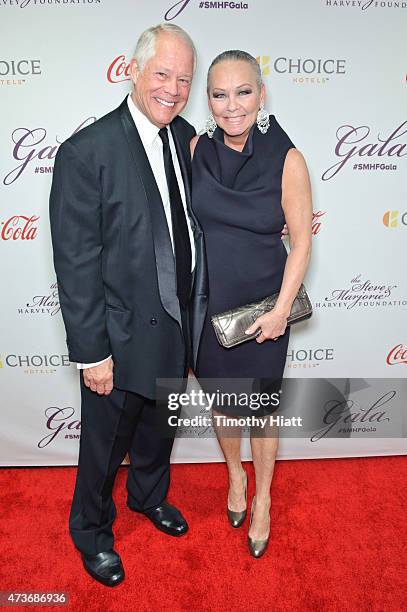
column 230, row 325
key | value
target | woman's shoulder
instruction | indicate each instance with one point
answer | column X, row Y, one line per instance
column 279, row 135
column 199, row 143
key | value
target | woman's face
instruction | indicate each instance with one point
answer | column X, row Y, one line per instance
column 234, row 96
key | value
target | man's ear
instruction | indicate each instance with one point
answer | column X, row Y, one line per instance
column 134, row 70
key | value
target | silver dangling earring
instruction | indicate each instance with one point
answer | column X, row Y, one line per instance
column 210, row 126
column 263, row 120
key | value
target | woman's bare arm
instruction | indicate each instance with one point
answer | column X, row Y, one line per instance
column 297, row 206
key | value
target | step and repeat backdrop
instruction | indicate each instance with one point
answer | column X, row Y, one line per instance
column 335, row 74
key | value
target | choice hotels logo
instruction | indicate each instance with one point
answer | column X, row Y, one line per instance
column 35, row 364
column 391, row 218
column 397, row 355
column 264, row 63
column 303, row 70
column 309, row 358
column 17, row 72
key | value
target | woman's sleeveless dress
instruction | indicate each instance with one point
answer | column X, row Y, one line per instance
column 236, row 197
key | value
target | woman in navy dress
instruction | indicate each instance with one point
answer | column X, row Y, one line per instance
column 248, row 180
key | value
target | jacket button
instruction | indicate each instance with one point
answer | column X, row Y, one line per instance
column 153, row 321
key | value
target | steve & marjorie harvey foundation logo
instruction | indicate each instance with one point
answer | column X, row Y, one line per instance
column 44, row 303
column 364, row 5
column 22, row 4
column 362, row 292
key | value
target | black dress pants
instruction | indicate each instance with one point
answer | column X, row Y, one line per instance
column 113, row 425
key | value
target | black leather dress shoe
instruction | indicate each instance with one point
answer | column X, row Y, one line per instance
column 167, row 519
column 105, row 567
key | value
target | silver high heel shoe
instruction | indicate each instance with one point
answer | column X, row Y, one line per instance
column 257, row 548
column 236, row 519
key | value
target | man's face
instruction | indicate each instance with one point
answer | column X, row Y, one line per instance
column 162, row 89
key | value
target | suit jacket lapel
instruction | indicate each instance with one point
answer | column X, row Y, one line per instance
column 164, row 256
column 184, row 160
column 199, row 300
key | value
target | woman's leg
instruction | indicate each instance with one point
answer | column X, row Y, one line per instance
column 229, row 439
column 264, row 444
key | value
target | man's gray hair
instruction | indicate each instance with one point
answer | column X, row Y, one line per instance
column 145, row 47
column 235, row 55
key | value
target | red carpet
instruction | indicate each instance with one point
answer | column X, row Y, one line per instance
column 338, row 542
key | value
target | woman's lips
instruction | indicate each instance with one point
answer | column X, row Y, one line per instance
column 234, row 119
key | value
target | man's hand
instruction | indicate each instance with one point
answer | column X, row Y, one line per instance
column 100, row 378
column 284, row 231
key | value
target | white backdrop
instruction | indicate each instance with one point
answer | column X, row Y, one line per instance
column 335, row 74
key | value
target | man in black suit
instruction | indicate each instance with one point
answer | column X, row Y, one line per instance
column 130, row 265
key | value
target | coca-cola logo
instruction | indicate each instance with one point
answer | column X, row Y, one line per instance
column 30, row 146
column 397, row 355
column 60, row 422
column 362, row 293
column 20, row 227
column 119, row 70
column 353, row 143
column 47, row 303
column 316, row 221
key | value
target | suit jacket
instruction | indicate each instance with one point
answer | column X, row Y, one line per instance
column 113, row 256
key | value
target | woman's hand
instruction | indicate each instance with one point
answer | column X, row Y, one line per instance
column 273, row 324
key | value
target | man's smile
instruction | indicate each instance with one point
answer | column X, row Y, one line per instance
column 166, row 103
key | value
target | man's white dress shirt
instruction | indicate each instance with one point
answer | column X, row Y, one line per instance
column 153, row 146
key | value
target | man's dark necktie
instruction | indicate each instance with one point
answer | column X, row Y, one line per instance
column 182, row 246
